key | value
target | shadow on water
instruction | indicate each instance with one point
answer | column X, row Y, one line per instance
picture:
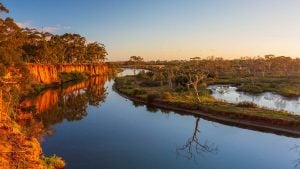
column 69, row 102
column 194, row 146
column 154, row 109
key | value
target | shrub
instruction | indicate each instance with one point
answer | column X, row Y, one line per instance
column 139, row 92
column 53, row 162
column 2, row 70
column 38, row 88
column 150, row 83
column 142, row 75
column 150, row 74
column 250, row 88
column 152, row 97
column 166, row 95
column 66, row 77
column 247, row 104
column 180, row 89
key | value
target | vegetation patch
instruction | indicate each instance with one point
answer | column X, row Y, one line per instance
column 247, row 104
column 187, row 99
column 53, row 162
column 72, row 76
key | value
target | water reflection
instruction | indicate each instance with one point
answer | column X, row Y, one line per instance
column 296, row 149
column 123, row 136
column 53, row 106
column 194, row 147
column 267, row 99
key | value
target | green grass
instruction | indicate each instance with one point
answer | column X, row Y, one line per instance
column 286, row 86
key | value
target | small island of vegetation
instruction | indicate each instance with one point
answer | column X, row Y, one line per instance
column 182, row 85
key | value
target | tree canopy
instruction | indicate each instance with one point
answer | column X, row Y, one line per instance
column 29, row 45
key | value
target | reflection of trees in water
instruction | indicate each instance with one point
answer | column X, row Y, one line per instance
column 71, row 105
column 137, row 104
column 296, row 149
column 193, row 146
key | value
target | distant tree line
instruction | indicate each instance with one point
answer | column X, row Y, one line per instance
column 19, row 45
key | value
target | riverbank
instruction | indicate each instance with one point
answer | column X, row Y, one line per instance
column 18, row 150
column 45, row 76
column 19, row 147
column 248, row 115
column 288, row 86
column 282, row 85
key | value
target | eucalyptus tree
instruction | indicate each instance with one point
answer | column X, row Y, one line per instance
column 95, row 52
column 11, row 40
column 136, row 60
column 196, row 76
column 74, row 47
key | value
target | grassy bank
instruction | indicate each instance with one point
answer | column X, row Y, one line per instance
column 286, row 86
column 163, row 95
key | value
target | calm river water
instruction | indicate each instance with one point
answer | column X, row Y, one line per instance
column 93, row 127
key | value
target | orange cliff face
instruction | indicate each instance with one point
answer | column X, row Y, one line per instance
column 47, row 73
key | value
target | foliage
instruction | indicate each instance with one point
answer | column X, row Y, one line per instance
column 33, row 46
column 139, row 92
column 150, row 83
column 66, row 77
column 166, row 95
column 187, row 100
column 151, row 97
column 247, row 104
column 53, row 162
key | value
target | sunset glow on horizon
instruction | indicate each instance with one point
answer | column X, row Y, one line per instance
column 171, row 29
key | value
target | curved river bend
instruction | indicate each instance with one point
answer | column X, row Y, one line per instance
column 91, row 126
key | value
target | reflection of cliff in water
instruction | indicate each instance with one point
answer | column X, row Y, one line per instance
column 52, row 106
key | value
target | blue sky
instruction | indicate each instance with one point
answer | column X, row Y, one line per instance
column 171, row 29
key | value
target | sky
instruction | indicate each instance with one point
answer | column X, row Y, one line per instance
column 171, row 29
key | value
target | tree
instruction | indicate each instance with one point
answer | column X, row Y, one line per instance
column 137, row 60
column 269, row 61
column 95, row 52
column 196, row 75
column 3, row 8
column 74, row 48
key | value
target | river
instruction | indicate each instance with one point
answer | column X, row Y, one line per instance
column 91, row 126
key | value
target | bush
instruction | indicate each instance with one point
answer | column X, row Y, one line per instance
column 142, row 75
column 250, row 88
column 166, row 95
column 150, row 83
column 152, row 97
column 247, row 104
column 38, row 88
column 150, row 74
column 180, row 89
column 139, row 92
column 66, row 77
column 53, row 162
column 2, row 70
